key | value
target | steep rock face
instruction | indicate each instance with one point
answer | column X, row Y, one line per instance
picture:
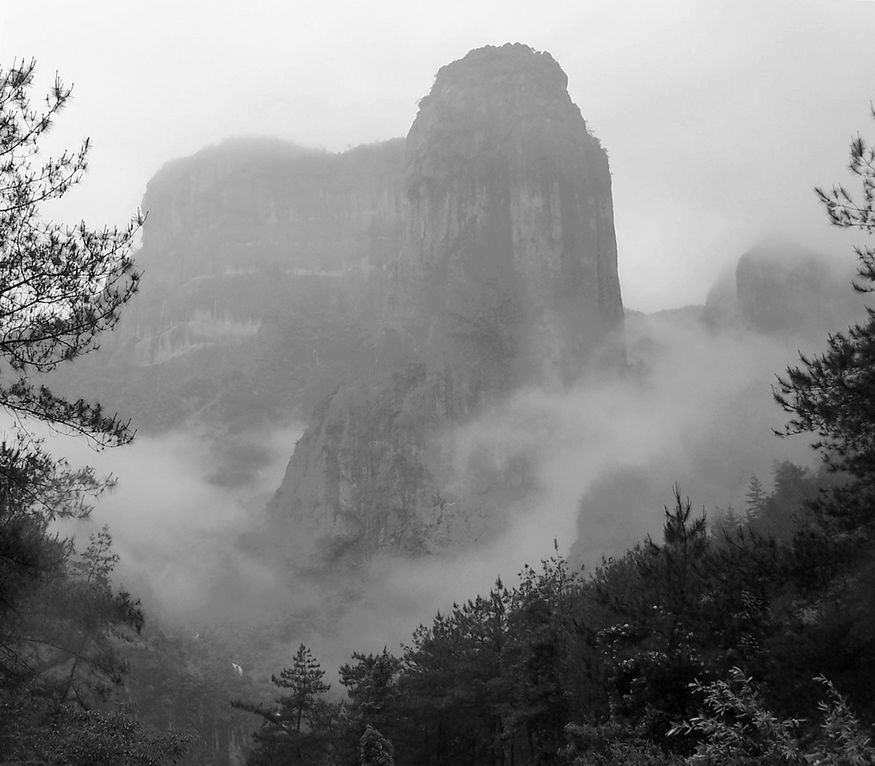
column 510, row 261
column 264, row 208
column 507, row 275
column 263, row 282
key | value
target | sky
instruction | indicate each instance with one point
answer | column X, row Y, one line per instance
column 719, row 117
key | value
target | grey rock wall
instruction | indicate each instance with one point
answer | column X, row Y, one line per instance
column 506, row 276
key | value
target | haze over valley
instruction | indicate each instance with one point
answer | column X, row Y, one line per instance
column 505, row 353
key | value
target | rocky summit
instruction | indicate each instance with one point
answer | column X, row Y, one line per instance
column 506, row 275
column 509, row 260
column 383, row 296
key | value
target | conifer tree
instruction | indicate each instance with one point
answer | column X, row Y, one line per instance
column 755, row 499
column 297, row 728
column 60, row 286
column 832, row 394
column 371, row 682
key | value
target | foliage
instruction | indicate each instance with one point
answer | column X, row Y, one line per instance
column 832, row 394
column 373, row 692
column 612, row 744
column 375, row 749
column 60, row 652
column 593, row 671
column 61, row 621
column 73, row 629
column 755, row 499
column 182, row 680
column 60, row 286
column 299, row 727
column 484, row 682
column 75, row 737
column 652, row 653
column 738, row 729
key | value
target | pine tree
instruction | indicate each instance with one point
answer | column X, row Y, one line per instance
column 297, row 729
column 755, row 499
column 60, row 286
column 832, row 394
column 650, row 649
column 304, row 680
column 371, row 682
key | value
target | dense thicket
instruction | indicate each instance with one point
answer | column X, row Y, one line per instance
column 605, row 668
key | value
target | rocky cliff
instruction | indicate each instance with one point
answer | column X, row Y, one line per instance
column 387, row 293
column 263, row 283
column 506, row 275
column 509, row 258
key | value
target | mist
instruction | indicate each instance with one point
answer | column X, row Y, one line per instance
column 175, row 525
column 693, row 407
column 697, row 411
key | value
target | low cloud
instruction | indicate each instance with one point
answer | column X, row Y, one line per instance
column 695, row 407
column 696, row 410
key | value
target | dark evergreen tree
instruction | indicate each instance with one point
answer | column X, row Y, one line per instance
column 60, row 286
column 782, row 512
column 541, row 645
column 755, row 499
column 653, row 653
column 456, row 683
column 374, row 696
column 832, row 394
column 299, row 728
column 375, row 749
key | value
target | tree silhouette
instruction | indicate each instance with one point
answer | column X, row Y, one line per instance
column 60, row 286
column 832, row 394
column 297, row 729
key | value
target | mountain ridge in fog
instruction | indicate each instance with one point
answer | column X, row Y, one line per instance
column 253, row 313
column 506, row 277
column 424, row 276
